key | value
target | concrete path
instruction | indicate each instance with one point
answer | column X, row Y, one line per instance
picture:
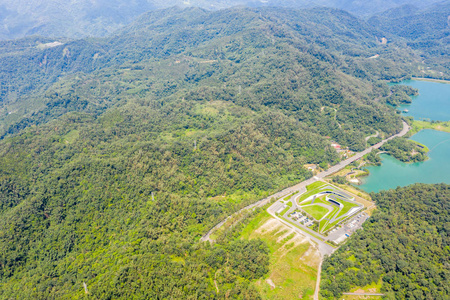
column 323, row 247
column 319, row 271
column 373, row 135
column 302, row 185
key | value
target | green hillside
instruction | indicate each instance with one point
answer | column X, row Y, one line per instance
column 81, row 18
column 405, row 244
column 320, row 56
column 118, row 153
column 426, row 30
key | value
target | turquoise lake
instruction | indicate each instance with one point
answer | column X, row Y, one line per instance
column 433, row 102
column 393, row 173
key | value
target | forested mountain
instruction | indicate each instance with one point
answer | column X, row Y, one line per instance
column 323, row 57
column 118, row 153
column 75, row 19
column 427, row 30
column 405, row 244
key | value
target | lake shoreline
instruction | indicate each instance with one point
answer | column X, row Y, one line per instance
column 393, row 172
column 431, row 80
column 419, row 125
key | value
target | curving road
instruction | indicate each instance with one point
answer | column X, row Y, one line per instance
column 302, row 185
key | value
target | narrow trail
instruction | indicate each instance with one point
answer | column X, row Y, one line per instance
column 373, row 135
column 319, row 271
column 323, row 248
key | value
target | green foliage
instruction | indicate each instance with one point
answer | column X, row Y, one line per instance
column 373, row 157
column 400, row 94
column 339, row 179
column 425, row 30
column 304, row 65
column 405, row 150
column 406, row 243
column 119, row 153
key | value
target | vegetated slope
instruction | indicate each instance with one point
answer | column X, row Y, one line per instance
column 67, row 18
column 120, row 165
column 405, row 243
column 75, row 19
column 426, row 30
column 312, row 64
column 358, row 8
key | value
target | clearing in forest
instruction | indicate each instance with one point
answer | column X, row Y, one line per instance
column 324, row 206
column 293, row 260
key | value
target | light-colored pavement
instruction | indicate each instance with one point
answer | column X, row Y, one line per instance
column 373, row 135
column 319, row 271
column 302, row 185
column 324, row 248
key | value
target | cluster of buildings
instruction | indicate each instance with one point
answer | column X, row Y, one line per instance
column 341, row 150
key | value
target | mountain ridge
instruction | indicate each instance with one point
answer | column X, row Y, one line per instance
column 99, row 18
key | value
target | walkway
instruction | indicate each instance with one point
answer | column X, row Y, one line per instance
column 302, row 185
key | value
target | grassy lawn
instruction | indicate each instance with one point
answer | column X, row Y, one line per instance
column 70, row 137
column 355, row 297
column 293, row 261
column 424, row 147
column 347, row 207
column 289, row 205
column 289, row 197
column 315, row 185
column 363, row 195
column 419, row 125
column 310, row 193
column 324, row 224
column 322, row 200
column 329, row 225
column 316, row 211
column 375, row 287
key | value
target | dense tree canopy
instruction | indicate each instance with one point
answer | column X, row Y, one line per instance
column 405, row 244
column 117, row 154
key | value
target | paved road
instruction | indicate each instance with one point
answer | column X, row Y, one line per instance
column 317, row 290
column 373, row 135
column 302, row 185
column 323, row 247
column 357, row 156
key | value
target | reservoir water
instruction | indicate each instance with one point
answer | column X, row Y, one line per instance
column 393, row 173
column 433, row 103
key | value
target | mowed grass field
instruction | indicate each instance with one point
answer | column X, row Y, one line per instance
column 293, row 260
column 316, row 211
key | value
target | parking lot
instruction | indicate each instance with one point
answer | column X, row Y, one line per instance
column 340, row 233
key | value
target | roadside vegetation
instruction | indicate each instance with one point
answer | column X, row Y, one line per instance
column 412, row 220
column 418, row 125
column 117, row 154
column 293, row 260
column 405, row 150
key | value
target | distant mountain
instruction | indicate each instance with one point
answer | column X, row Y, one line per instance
column 75, row 19
column 356, row 7
column 67, row 18
column 118, row 153
column 427, row 30
column 413, row 23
